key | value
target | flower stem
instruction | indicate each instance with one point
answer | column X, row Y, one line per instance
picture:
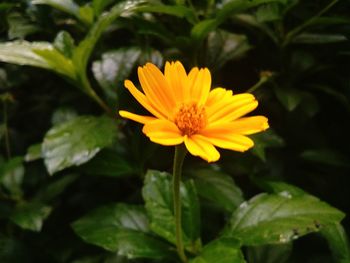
column 180, row 153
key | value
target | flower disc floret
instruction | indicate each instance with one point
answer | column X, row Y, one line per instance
column 190, row 119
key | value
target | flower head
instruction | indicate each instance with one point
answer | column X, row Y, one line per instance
column 185, row 110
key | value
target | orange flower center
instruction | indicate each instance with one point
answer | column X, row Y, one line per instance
column 190, row 118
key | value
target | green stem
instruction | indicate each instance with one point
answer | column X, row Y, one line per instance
column 180, row 153
column 6, row 132
column 263, row 79
column 300, row 28
column 91, row 92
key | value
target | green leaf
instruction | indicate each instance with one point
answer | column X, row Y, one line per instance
column 121, row 228
column 86, row 14
column 264, row 140
column 54, row 189
column 21, row 53
column 100, row 5
column 157, row 193
column 280, row 218
column 224, row 46
column 83, row 51
column 33, row 153
column 338, row 242
column 67, row 6
column 174, row 10
column 335, row 94
column 217, row 187
column 11, row 176
column 313, row 38
column 114, row 68
column 30, row 215
column 19, row 26
column 77, row 141
column 109, row 163
column 269, row 253
column 6, row 6
column 289, row 97
column 37, row 54
column 57, row 61
column 278, row 187
column 201, row 29
column 64, row 43
column 62, row 115
column 12, row 250
column 224, row 250
column 268, row 13
column 153, row 56
column 326, row 156
column 251, row 21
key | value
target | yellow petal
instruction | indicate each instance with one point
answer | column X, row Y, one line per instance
column 228, row 140
column 135, row 117
column 142, row 99
column 156, row 88
column 177, row 79
column 197, row 145
column 231, row 108
column 245, row 126
column 201, row 86
column 217, row 95
column 163, row 132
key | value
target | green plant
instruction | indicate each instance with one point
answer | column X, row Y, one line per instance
column 79, row 184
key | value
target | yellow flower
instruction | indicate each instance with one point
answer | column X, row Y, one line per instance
column 185, row 110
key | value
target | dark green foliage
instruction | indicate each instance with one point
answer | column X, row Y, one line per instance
column 62, row 68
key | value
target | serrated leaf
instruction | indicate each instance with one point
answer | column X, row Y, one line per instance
column 217, row 187
column 224, row 46
column 273, row 219
column 223, row 250
column 121, row 228
column 338, row 242
column 77, row 141
column 30, row 215
column 109, row 163
column 157, row 193
column 114, row 67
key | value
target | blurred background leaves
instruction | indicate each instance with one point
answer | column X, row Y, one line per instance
column 62, row 67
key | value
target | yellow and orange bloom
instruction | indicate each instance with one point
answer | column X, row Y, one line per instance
column 185, row 110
